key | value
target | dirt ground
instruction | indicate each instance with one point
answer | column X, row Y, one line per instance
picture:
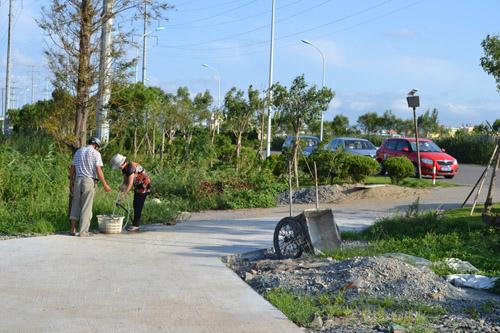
column 350, row 193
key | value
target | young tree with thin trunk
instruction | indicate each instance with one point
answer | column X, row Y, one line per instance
column 240, row 113
column 299, row 105
column 73, row 29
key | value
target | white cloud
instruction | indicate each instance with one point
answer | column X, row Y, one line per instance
column 334, row 54
column 362, row 105
column 460, row 110
column 403, row 33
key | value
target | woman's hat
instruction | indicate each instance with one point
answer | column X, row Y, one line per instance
column 116, row 161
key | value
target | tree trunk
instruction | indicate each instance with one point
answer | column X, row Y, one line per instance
column 136, row 148
column 84, row 80
column 295, row 158
column 154, row 140
column 162, row 149
column 262, row 128
column 238, row 151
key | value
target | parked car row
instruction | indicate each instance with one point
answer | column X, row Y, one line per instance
column 431, row 156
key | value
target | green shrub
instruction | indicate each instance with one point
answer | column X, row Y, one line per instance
column 340, row 166
column 468, row 148
column 359, row 167
column 277, row 164
column 398, row 168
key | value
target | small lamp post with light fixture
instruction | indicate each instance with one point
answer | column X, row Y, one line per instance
column 414, row 102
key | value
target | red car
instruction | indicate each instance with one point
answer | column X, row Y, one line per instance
column 430, row 155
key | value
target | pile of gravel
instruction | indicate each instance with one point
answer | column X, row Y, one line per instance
column 327, row 194
column 370, row 276
column 373, row 277
column 339, row 193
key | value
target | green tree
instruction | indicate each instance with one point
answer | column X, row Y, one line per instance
column 491, row 59
column 73, row 32
column 339, row 125
column 240, row 113
column 369, row 122
column 298, row 106
column 496, row 125
column 428, row 122
column 388, row 121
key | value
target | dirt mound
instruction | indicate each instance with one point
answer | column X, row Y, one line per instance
column 340, row 193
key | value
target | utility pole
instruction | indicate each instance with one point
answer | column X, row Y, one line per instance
column 271, row 60
column 2, row 104
column 144, row 42
column 6, row 126
column 105, row 71
column 32, row 84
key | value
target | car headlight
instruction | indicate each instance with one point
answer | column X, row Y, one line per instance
column 455, row 162
column 427, row 161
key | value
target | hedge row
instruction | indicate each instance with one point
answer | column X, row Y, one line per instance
column 469, row 149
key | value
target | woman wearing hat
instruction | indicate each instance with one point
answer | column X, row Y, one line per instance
column 134, row 176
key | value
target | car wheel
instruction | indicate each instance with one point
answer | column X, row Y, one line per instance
column 449, row 176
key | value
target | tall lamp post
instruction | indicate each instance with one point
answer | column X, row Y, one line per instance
column 305, row 41
column 414, row 102
column 271, row 62
column 144, row 50
column 217, row 76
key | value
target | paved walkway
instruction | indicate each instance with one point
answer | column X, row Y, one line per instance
column 168, row 279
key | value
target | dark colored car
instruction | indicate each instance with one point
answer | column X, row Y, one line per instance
column 430, row 155
column 354, row 146
column 308, row 143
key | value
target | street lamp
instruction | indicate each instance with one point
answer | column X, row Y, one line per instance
column 144, row 48
column 305, row 41
column 414, row 102
column 217, row 76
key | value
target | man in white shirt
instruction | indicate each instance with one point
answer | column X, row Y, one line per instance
column 87, row 167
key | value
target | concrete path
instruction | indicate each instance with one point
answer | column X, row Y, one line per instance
column 168, row 279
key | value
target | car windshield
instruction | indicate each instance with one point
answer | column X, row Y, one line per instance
column 358, row 145
column 427, row 146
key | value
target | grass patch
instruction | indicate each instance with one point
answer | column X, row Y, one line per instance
column 408, row 182
column 433, row 236
column 302, row 309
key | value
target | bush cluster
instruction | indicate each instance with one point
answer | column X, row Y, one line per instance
column 340, row 166
column 398, row 168
column 468, row 148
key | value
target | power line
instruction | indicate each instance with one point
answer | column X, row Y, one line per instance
column 376, row 18
column 257, row 28
column 210, row 7
column 235, row 20
column 343, row 18
column 215, row 15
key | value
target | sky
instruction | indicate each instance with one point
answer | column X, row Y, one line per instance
column 375, row 52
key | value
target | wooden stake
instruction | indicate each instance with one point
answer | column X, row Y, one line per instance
column 489, row 198
column 290, row 190
column 481, row 180
column 316, row 185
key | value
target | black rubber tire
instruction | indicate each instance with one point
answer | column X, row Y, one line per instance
column 449, row 176
column 291, row 246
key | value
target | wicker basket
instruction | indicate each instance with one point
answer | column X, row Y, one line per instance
column 109, row 224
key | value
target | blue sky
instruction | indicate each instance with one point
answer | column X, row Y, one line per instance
column 376, row 51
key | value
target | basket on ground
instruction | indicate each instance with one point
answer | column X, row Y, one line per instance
column 109, row 224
